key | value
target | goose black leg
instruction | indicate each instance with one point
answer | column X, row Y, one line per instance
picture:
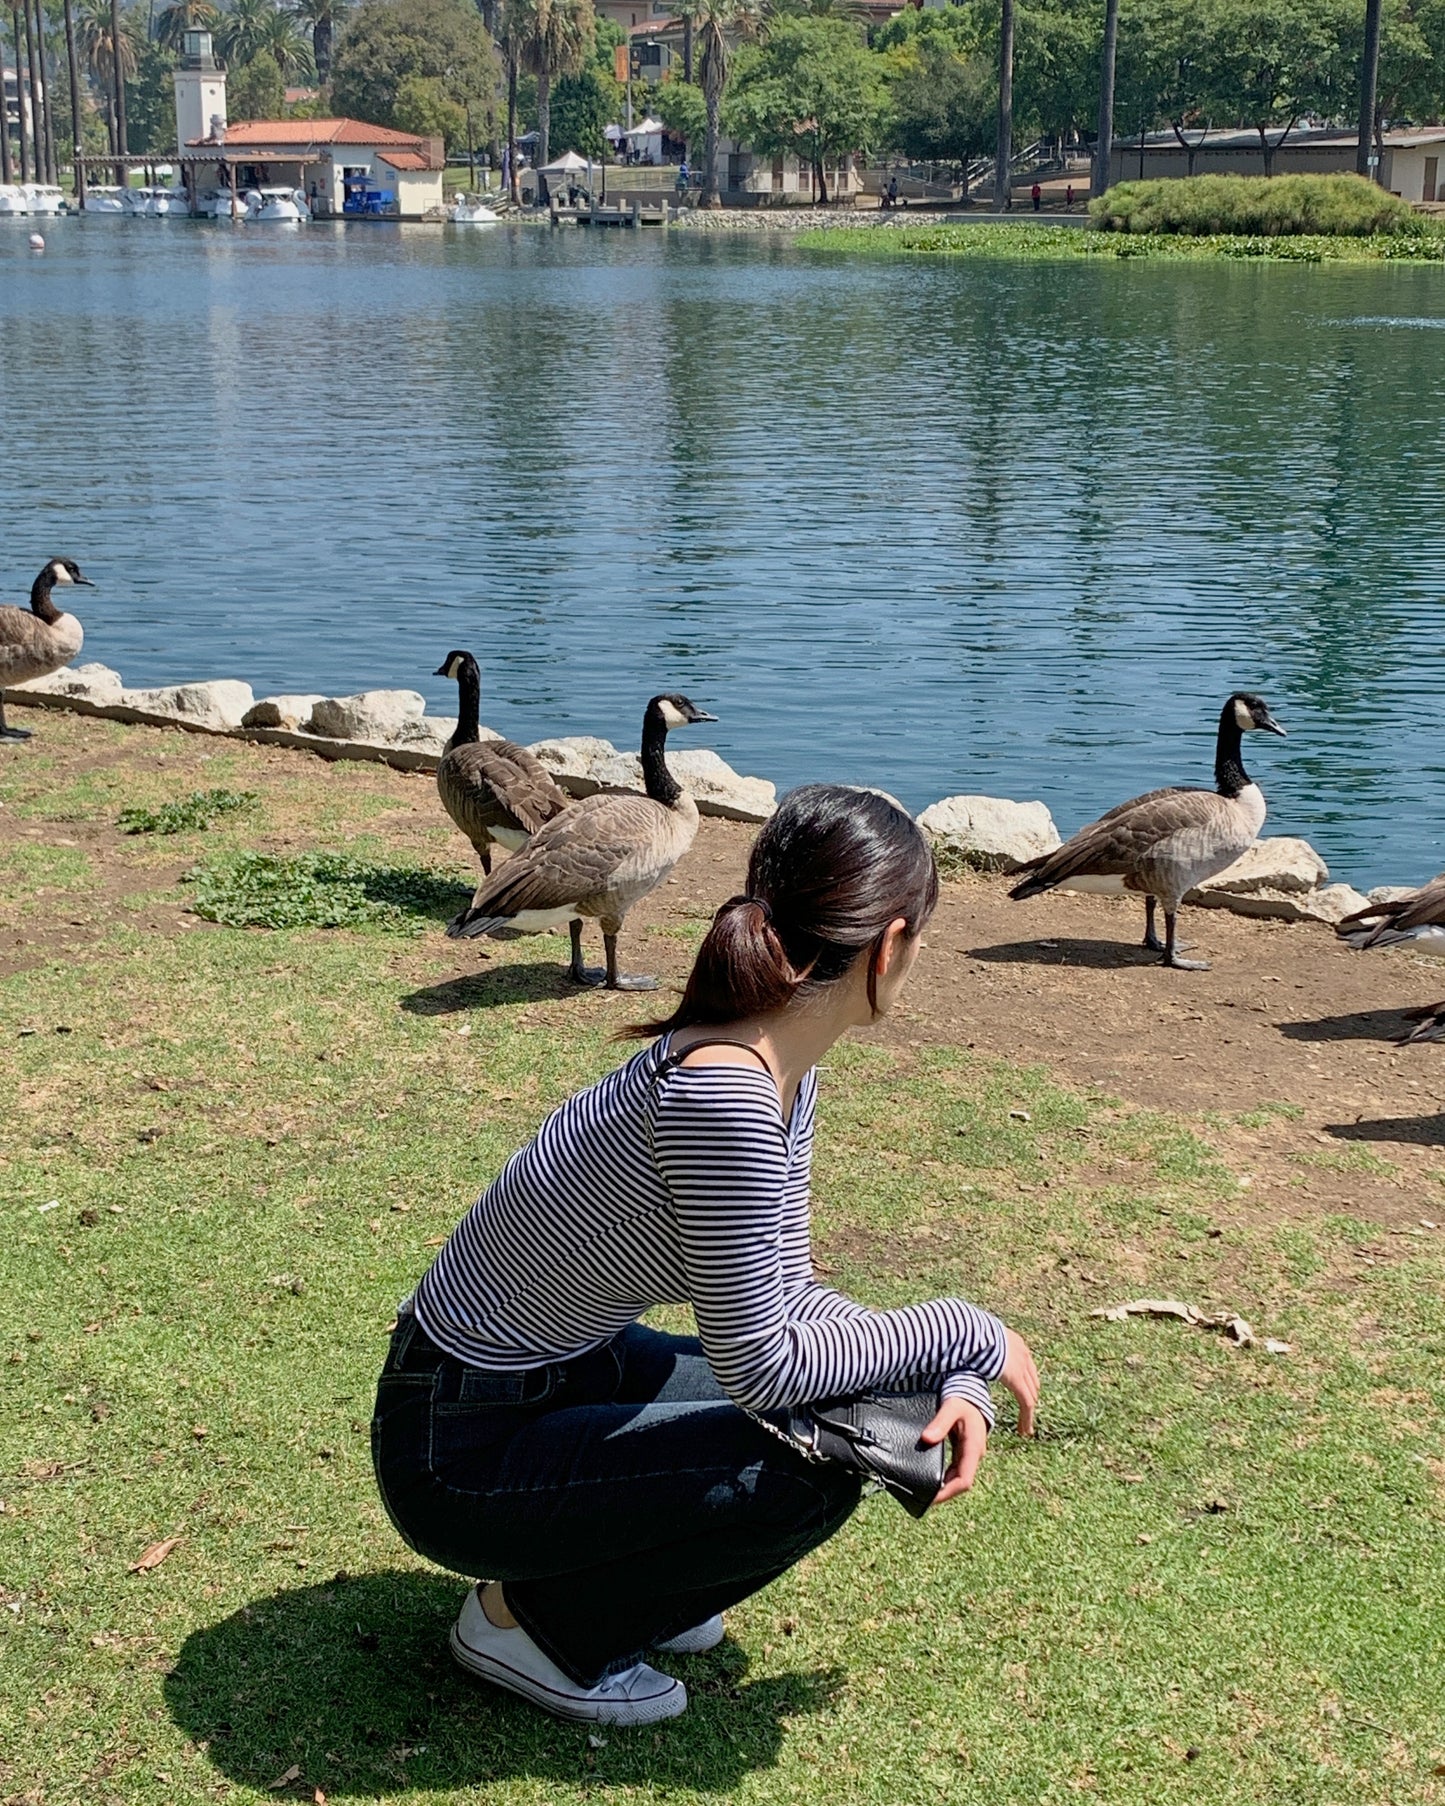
column 622, row 981
column 1151, row 933
column 577, row 972
column 1171, row 948
column 485, row 850
column 12, row 733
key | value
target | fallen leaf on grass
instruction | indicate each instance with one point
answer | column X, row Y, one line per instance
column 292, row 1774
column 153, row 1556
column 1226, row 1321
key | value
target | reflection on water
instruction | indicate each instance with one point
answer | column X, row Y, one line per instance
column 1004, row 528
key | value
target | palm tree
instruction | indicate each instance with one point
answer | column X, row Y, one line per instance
column 242, row 32
column 513, row 22
column 182, row 16
column 97, row 37
column 320, row 17
column 281, row 40
column 558, row 43
column 1104, row 142
column 718, row 21
column 1003, row 156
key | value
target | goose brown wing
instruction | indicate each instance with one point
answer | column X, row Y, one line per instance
column 573, row 857
column 1423, row 908
column 1113, row 845
column 491, row 783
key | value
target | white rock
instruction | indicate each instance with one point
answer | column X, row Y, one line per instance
column 1281, row 865
column 219, row 704
column 1330, row 904
column 281, row 711
column 990, row 832
column 96, row 684
column 582, row 764
column 382, row 717
column 1387, row 893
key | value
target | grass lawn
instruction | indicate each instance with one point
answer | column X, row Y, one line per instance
column 1024, row 239
column 1217, row 1577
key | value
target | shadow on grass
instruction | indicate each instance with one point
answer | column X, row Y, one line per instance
column 489, row 990
column 1103, row 956
column 351, row 1684
column 1359, row 1025
column 1418, row 1131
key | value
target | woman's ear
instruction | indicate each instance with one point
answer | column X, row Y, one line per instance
column 891, row 946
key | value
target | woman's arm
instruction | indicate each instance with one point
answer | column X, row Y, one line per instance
column 722, row 1150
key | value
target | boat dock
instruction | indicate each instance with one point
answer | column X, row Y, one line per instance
column 629, row 213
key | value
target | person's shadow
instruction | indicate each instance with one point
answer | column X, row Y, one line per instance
column 348, row 1687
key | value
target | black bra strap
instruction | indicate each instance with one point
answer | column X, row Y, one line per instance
column 674, row 1060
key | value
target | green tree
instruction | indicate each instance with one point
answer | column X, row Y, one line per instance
column 681, row 108
column 942, row 86
column 811, row 87
column 553, row 38
column 255, row 90
column 582, row 105
column 282, row 41
column 98, row 33
column 150, row 100
column 1270, row 61
column 718, row 24
column 385, row 41
column 423, row 106
column 320, row 18
column 242, row 30
column 174, row 21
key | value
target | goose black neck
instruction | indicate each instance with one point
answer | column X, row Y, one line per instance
column 1230, row 777
column 469, row 704
column 658, row 781
column 40, row 602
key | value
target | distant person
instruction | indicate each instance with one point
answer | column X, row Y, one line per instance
column 684, row 176
column 893, row 191
column 1069, row 198
column 1036, row 195
column 618, row 1486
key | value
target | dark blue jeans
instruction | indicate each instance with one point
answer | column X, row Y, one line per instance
column 620, row 1497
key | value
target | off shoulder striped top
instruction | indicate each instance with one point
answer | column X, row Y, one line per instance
column 683, row 1185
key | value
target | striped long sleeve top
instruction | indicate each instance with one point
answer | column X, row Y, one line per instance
column 684, row 1185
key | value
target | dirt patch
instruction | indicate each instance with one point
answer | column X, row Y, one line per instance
column 1280, row 1054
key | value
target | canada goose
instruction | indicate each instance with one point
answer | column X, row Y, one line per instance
column 598, row 857
column 492, row 789
column 1419, row 916
column 35, row 644
column 1167, row 841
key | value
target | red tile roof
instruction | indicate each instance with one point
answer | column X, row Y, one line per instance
column 303, row 132
column 403, row 159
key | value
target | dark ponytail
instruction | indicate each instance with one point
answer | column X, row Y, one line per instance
column 829, row 872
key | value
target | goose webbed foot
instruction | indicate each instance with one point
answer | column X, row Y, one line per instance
column 579, row 973
column 623, row 981
column 1171, row 950
column 16, row 733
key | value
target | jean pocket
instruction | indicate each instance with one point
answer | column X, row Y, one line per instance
column 462, row 1389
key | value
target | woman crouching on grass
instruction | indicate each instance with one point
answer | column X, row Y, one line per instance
column 615, row 1483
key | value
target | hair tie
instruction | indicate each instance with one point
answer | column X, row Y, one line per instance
column 743, row 901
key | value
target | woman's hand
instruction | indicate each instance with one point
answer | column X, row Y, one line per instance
column 1022, row 1379
column 965, row 1424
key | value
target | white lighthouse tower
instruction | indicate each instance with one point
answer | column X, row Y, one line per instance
column 200, row 92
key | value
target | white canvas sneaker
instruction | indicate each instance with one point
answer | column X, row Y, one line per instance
column 510, row 1659
column 693, row 1642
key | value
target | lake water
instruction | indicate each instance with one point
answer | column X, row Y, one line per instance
column 1011, row 528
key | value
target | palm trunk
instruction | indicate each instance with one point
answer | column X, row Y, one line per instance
column 1369, row 81
column 710, row 196
column 37, row 123
column 47, row 106
column 7, row 172
column 820, row 178
column 73, row 68
column 516, row 185
column 544, row 118
column 20, row 93
column 118, row 83
column 687, row 48
column 1003, row 153
column 1104, row 143
column 321, row 49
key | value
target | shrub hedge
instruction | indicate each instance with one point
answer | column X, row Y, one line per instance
column 1255, row 206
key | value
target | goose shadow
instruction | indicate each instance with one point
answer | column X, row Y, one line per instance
column 490, row 990
column 1418, row 1131
column 348, row 1688
column 1357, row 1025
column 1101, row 956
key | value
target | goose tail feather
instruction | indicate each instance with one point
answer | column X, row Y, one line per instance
column 473, row 922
